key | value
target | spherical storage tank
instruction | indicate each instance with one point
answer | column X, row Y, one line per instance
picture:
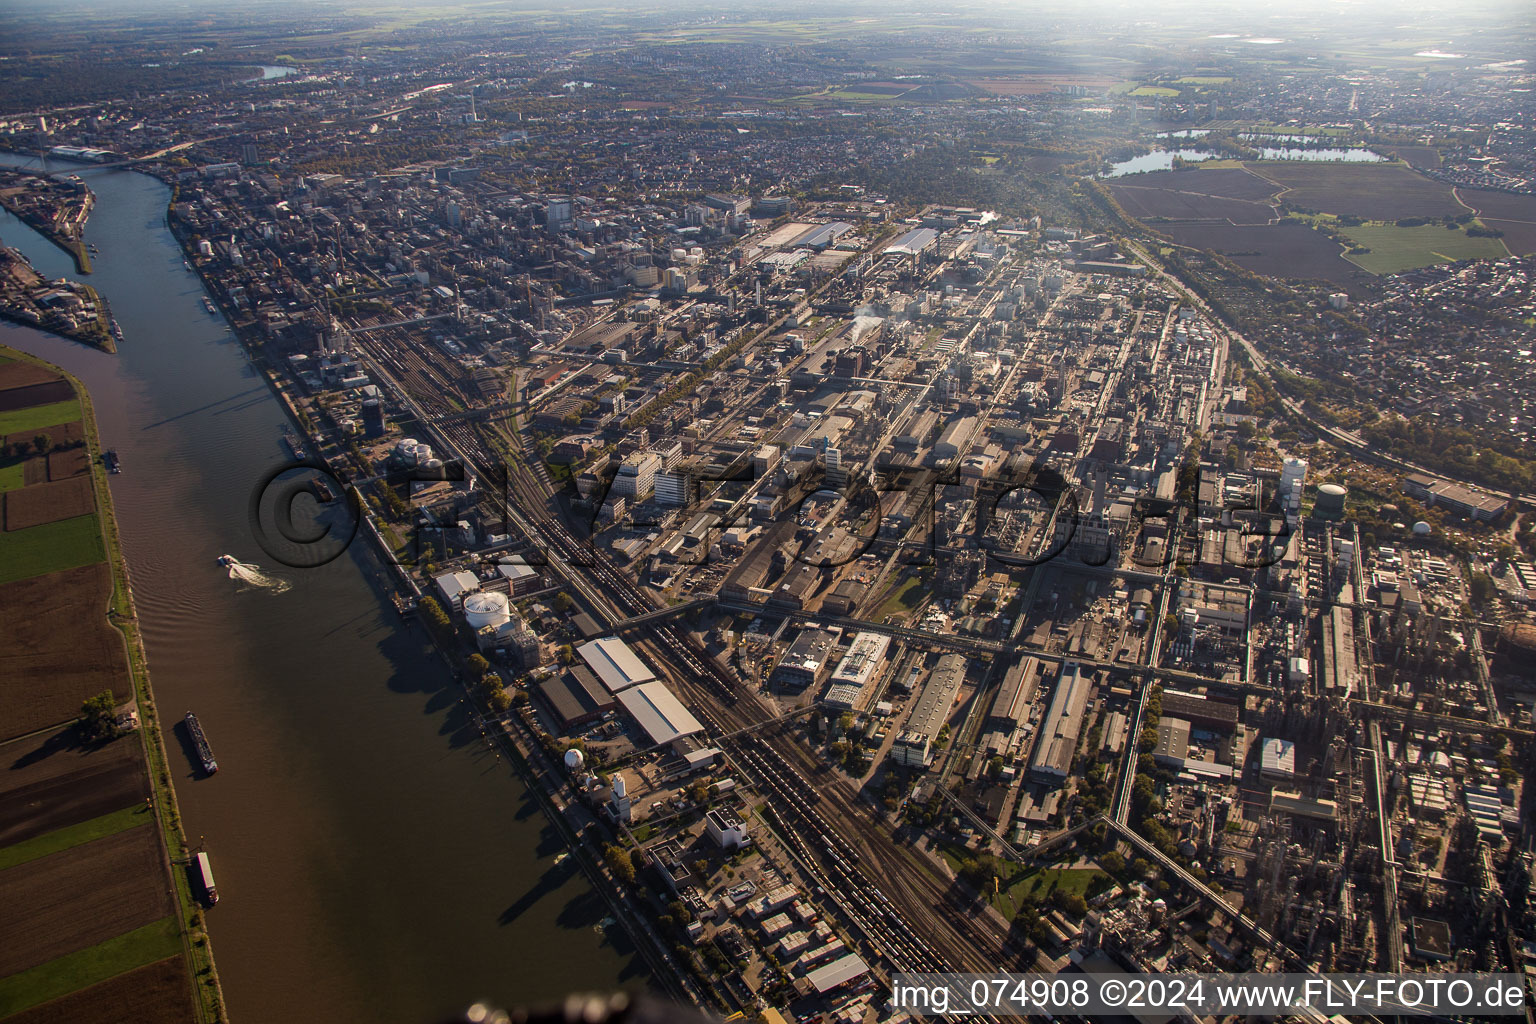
column 486, row 609
column 1422, row 529
column 574, row 759
column 1330, row 501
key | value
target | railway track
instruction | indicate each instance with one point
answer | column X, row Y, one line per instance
column 715, row 698
column 912, row 918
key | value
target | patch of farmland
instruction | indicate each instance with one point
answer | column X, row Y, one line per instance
column 59, row 649
column 51, row 781
column 39, row 504
column 1368, row 191
column 61, row 433
column 154, row 994
column 68, row 463
column 17, row 374
column 1284, row 250
column 1162, row 203
column 1395, row 249
column 1221, row 182
column 1515, row 215
column 80, row 896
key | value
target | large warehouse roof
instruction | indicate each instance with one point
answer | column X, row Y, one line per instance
column 822, row 235
column 1063, row 723
column 611, row 660
column 913, row 242
column 659, row 712
column 838, row 972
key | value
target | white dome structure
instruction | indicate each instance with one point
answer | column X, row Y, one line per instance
column 1421, row 529
column 486, row 608
column 574, row 759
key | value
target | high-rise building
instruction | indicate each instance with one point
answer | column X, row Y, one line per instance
column 637, row 476
column 1293, row 477
column 373, row 418
column 672, row 489
column 836, row 475
column 671, row 453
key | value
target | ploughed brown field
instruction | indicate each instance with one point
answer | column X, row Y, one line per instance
column 81, row 896
column 1515, row 215
column 1220, row 182
column 1150, row 203
column 52, row 781
column 48, row 502
column 47, row 671
column 151, row 994
column 40, row 469
column 61, row 433
column 68, row 463
column 21, row 374
column 1368, row 191
column 1278, row 250
column 25, row 384
column 1418, row 156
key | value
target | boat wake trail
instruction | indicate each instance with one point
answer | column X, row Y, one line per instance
column 252, row 577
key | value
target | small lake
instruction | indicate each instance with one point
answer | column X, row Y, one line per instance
column 1162, row 159
column 270, row 71
column 1326, row 155
column 1158, row 160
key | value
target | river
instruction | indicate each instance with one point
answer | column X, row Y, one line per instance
column 375, row 860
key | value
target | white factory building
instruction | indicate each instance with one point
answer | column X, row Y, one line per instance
column 657, row 710
column 849, row 686
column 614, row 663
column 454, row 585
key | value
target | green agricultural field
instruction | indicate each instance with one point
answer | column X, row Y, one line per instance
column 36, row 417
column 13, row 475
column 50, row 547
column 1154, row 90
column 1394, row 249
column 860, row 97
column 74, row 835
column 1204, row 80
column 78, row 970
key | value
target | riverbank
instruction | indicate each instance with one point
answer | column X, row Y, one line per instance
column 123, row 618
column 369, row 849
column 542, row 781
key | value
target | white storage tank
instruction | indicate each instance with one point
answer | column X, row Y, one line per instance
column 486, row 608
